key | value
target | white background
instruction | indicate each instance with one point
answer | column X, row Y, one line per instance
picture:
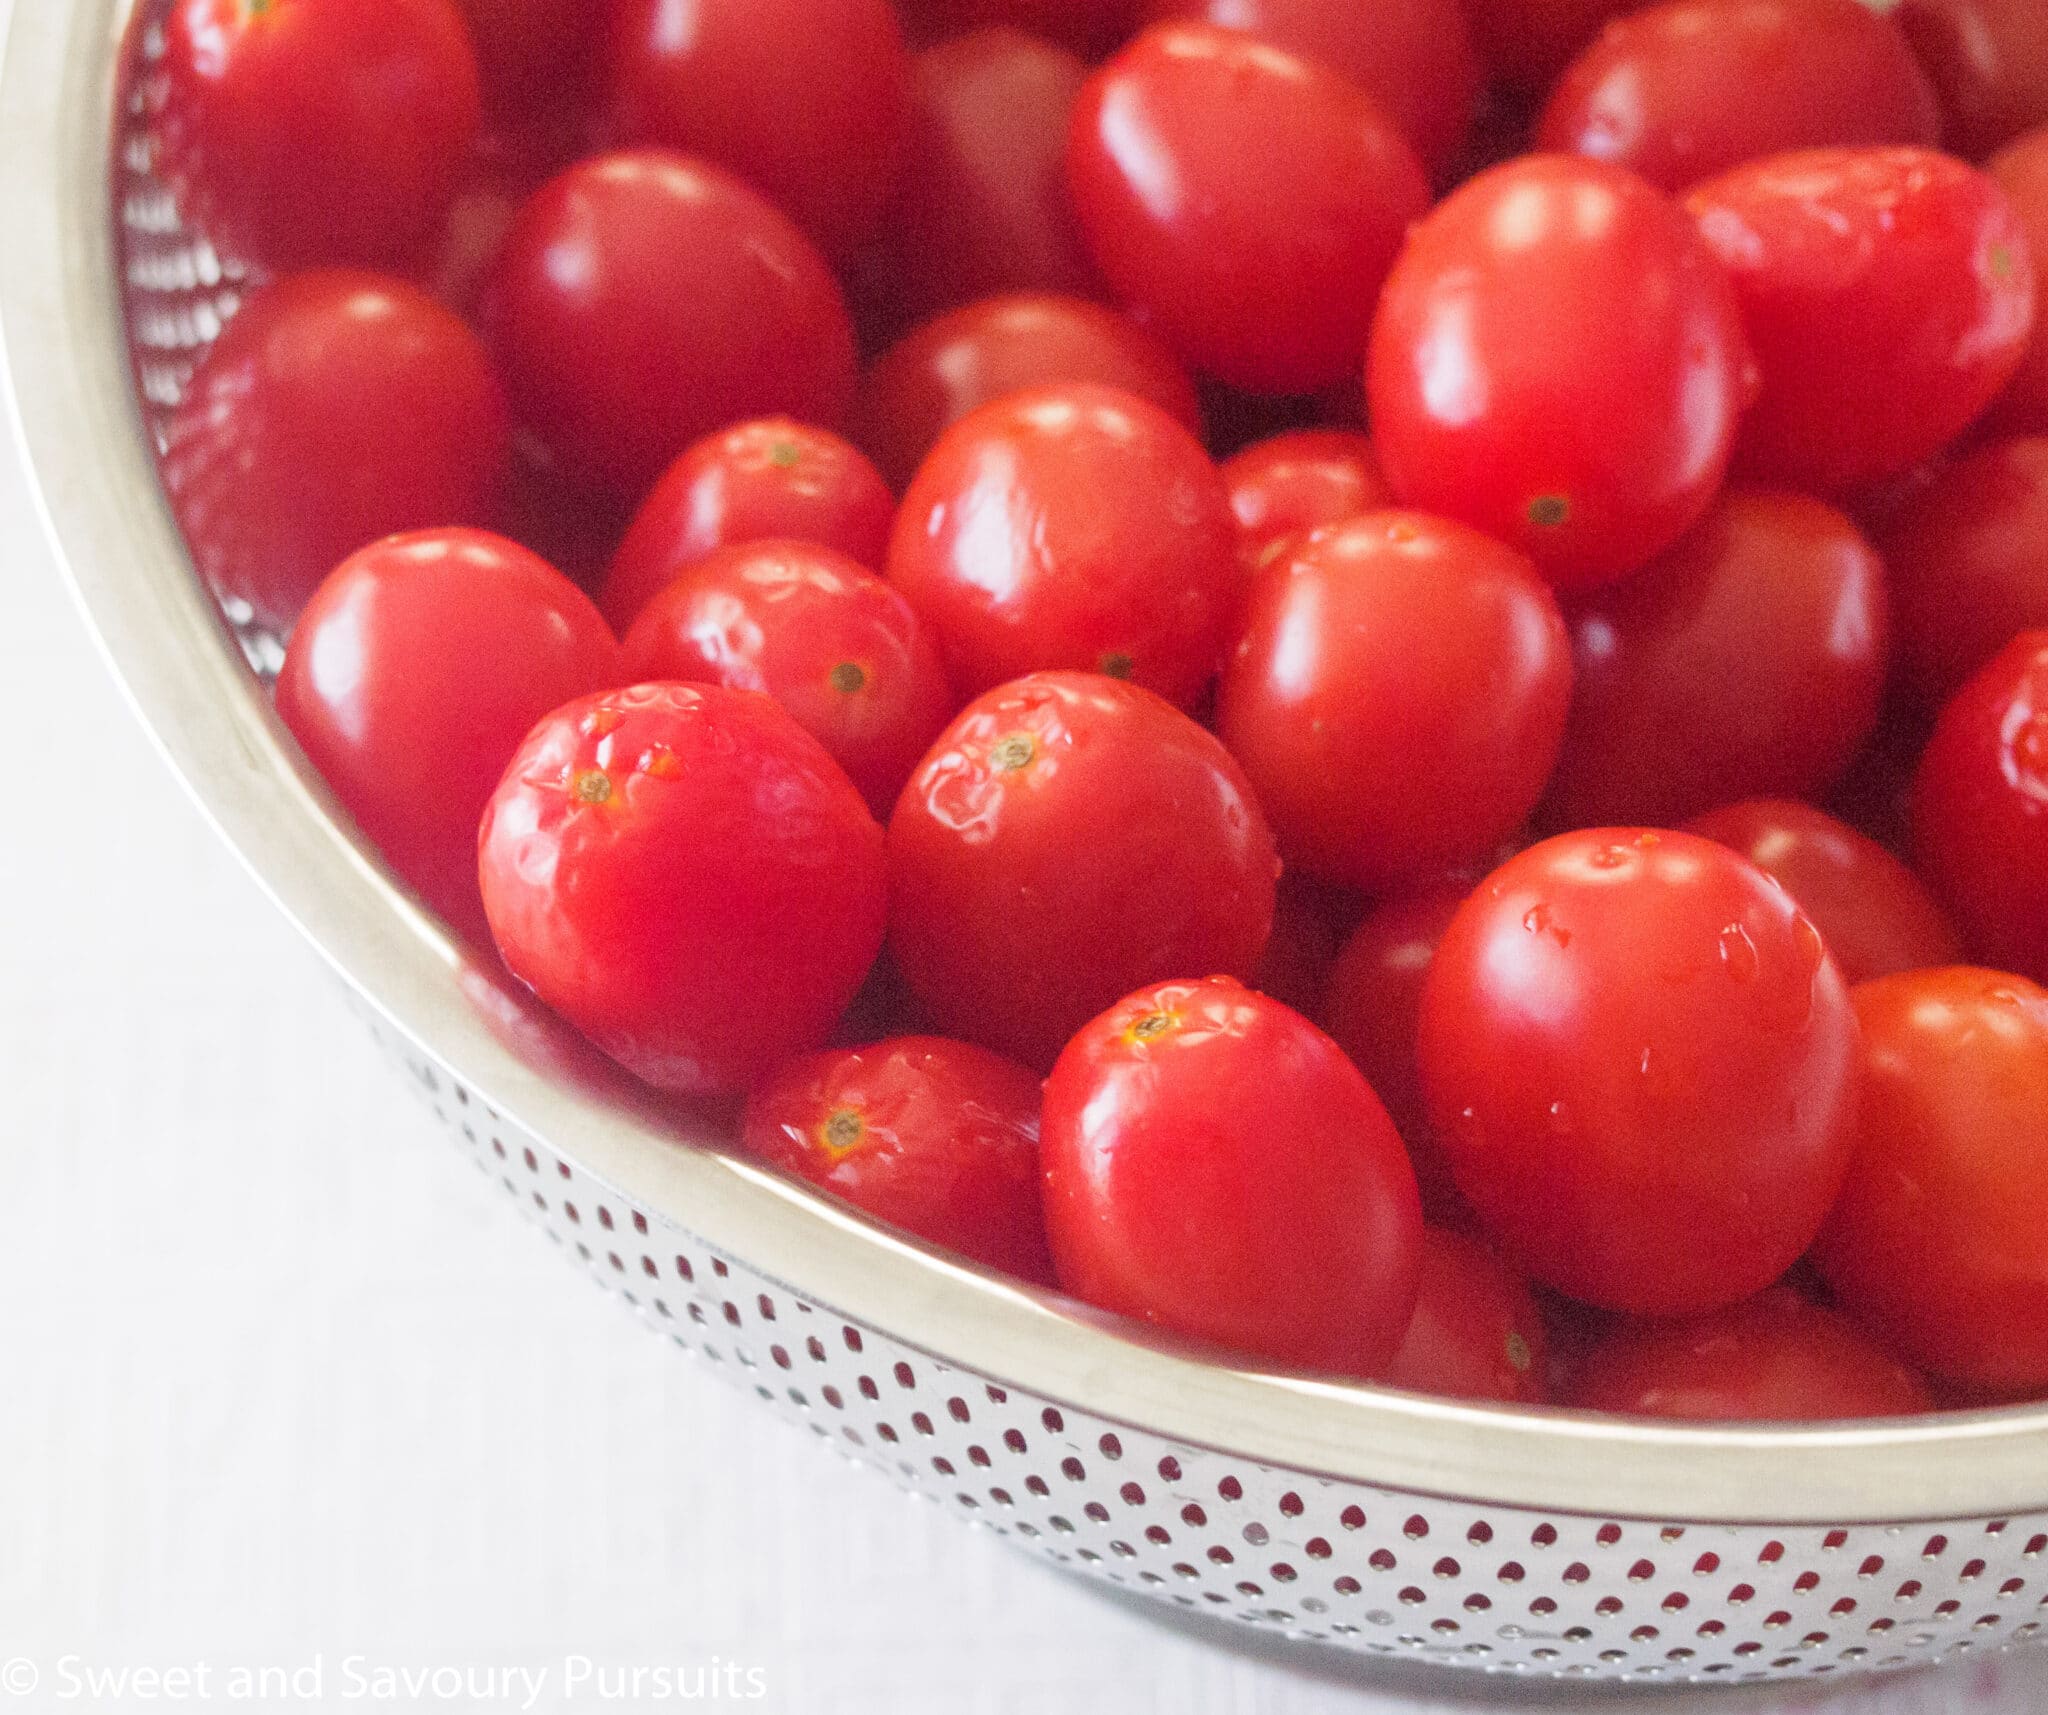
column 282, row 1378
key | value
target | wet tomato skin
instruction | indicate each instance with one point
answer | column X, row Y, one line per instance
column 1069, row 838
column 1640, row 1063
column 1214, row 1166
column 832, row 643
column 1301, row 480
column 2021, row 171
column 1940, row 1242
column 647, row 844
column 1989, row 63
column 1477, row 1332
column 937, row 1137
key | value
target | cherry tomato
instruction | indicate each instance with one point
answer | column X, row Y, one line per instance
column 1299, row 481
column 535, row 55
column 1528, row 43
column 643, row 300
column 415, row 672
column 1969, row 562
column 773, row 477
column 1989, row 62
column 1413, row 57
column 831, row 643
column 1090, row 27
column 1558, row 361
column 1888, row 294
column 939, row 1138
column 807, row 100
column 1476, row 1332
column 1870, row 909
column 1071, row 527
column 1067, row 838
column 1940, row 1242
column 1247, row 202
column 1980, row 809
column 282, row 459
column 2021, row 170
column 978, row 353
column 456, row 266
column 1775, row 1358
column 1749, row 661
column 300, row 132
column 685, row 875
column 1641, row 1064
column 1397, row 696
column 1216, row 1167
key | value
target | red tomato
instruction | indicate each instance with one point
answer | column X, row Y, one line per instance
column 1640, row 1062
column 1413, row 57
column 1749, row 661
column 1090, row 27
column 1940, row 1242
column 1216, row 1167
column 1068, row 838
column 1374, row 1009
column 1528, row 43
column 415, row 672
column 831, row 643
column 1071, row 527
column 977, row 354
column 2021, row 170
column 1870, row 909
column 1308, row 931
column 1773, row 1359
column 1989, row 61
column 644, row 299
column 299, row 132
column 685, row 875
column 1397, row 696
column 1299, row 481
column 939, row 1138
column 1888, row 294
column 807, row 100
column 282, row 458
column 1693, row 87
column 1247, row 202
column 1980, row 809
column 457, row 265
column 534, row 54
column 1558, row 361
column 1969, row 562
column 773, row 477
column 1476, row 1332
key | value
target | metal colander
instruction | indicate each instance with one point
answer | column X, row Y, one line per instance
column 1335, row 1517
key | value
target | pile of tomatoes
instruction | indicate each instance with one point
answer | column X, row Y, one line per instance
column 740, row 482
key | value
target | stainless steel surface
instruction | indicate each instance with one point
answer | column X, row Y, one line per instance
column 1369, row 1521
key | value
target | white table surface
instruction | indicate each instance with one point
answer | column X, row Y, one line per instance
column 284, row 1383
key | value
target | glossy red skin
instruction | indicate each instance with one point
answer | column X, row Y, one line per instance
column 281, row 459
column 1248, row 203
column 1640, row 1063
column 1872, row 911
column 1230, row 1177
column 1477, row 1332
column 940, row 1139
column 1413, row 57
column 1075, row 527
column 807, row 100
column 1989, row 63
column 1888, row 294
column 2021, row 170
column 1968, row 557
column 416, row 670
column 1681, row 91
column 1353, row 696
column 1940, row 1242
column 1373, row 1008
column 715, row 912
column 306, row 132
column 770, row 478
column 1555, row 334
column 832, row 643
column 643, row 300
column 1301, row 480
column 1089, row 27
column 1775, row 1358
column 1980, row 809
column 1031, row 883
column 1747, row 662
column 535, row 56
column 976, row 354
column 1527, row 44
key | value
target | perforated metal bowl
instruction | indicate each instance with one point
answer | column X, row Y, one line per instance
column 1344, row 1517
